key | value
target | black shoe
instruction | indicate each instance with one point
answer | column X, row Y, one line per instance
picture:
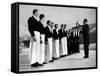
column 53, row 58
column 56, row 58
column 44, row 62
column 40, row 64
column 34, row 65
column 61, row 56
column 85, row 56
column 51, row 61
column 64, row 55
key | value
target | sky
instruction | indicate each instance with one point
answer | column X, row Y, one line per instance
column 59, row 15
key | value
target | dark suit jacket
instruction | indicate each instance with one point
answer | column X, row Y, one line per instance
column 42, row 29
column 48, row 33
column 33, row 25
column 61, row 34
column 72, row 37
column 65, row 33
column 55, row 34
column 85, row 30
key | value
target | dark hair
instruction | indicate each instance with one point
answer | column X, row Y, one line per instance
column 56, row 24
column 41, row 16
column 52, row 22
column 48, row 21
column 85, row 20
column 34, row 11
column 65, row 25
column 61, row 25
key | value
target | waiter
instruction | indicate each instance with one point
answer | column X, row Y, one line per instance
column 53, row 48
column 77, row 40
column 42, row 37
column 85, row 31
column 65, row 40
column 72, row 42
column 34, row 29
column 68, row 42
column 48, row 38
column 61, row 38
column 56, row 42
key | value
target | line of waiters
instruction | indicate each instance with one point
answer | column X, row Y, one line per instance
column 50, row 43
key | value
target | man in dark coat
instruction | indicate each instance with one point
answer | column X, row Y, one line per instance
column 61, row 40
column 72, row 42
column 34, row 29
column 48, row 39
column 85, row 31
column 65, row 40
column 61, row 32
column 42, row 37
column 69, row 42
column 56, row 42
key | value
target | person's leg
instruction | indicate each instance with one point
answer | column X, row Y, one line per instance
column 71, row 47
column 54, row 49
column 57, row 48
column 38, row 47
column 42, row 49
column 50, row 48
column 78, row 47
column 33, row 57
column 34, row 50
column 86, row 50
column 67, row 46
column 30, row 49
column 66, row 49
column 46, row 53
column 62, row 44
column 69, row 51
column 74, row 46
column 60, row 48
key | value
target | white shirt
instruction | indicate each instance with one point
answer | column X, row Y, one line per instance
column 57, row 31
column 43, row 23
column 50, row 28
column 62, row 30
column 36, row 18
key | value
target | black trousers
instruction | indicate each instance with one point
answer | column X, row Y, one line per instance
column 71, row 47
column 86, row 50
column 74, row 47
column 68, row 46
column 77, row 47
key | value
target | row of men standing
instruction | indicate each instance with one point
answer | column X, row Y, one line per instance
column 47, row 43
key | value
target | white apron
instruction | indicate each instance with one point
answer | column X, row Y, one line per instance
column 30, row 48
column 35, row 51
column 42, row 49
column 49, row 50
column 56, row 48
column 65, row 46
